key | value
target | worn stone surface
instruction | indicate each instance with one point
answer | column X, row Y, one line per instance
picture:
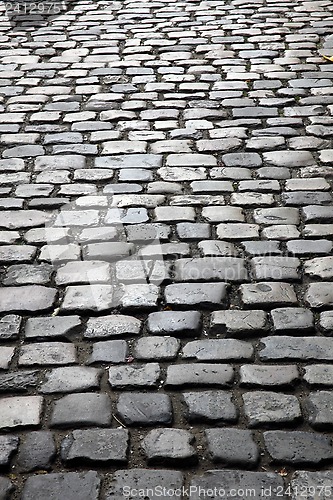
column 37, row 452
column 217, row 349
column 134, row 376
column 319, row 407
column 232, row 446
column 169, row 446
column 298, row 447
column 112, row 326
column 26, row 299
column 71, row 379
column 144, row 409
column 52, row 327
column 8, row 446
column 268, row 376
column 175, row 323
column 166, row 221
column 268, row 408
column 145, row 479
column 104, row 446
column 81, row 409
column 210, row 406
column 241, row 480
column 20, row 411
column 199, row 375
column 72, row 485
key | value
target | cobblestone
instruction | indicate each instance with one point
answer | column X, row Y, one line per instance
column 103, row 446
column 232, row 446
column 263, row 408
column 169, row 446
column 165, row 242
column 298, row 447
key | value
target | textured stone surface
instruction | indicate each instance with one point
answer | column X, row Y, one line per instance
column 166, row 246
column 268, row 408
column 26, row 299
column 46, row 328
column 268, row 376
column 36, row 452
column 104, row 446
column 199, row 375
column 110, row 326
column 210, row 406
column 144, row 409
column 71, row 379
column 240, row 480
column 72, row 485
column 134, row 376
column 169, row 446
column 22, row 411
column 232, row 446
column 81, row 410
column 145, row 479
column 8, row 446
column 298, row 447
column 174, row 323
column 216, row 349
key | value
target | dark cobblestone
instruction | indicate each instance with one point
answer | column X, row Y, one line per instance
column 166, row 209
column 232, row 447
column 298, row 447
column 103, row 446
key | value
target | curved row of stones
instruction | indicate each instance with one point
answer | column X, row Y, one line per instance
column 166, row 250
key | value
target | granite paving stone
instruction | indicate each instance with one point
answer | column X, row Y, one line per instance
column 151, row 348
column 185, row 323
column 319, row 408
column 129, row 377
column 217, row 349
column 37, row 452
column 81, row 410
column 145, row 479
column 268, row 376
column 21, row 411
column 72, row 485
column 210, row 406
column 172, row 446
column 298, row 447
column 70, row 379
column 200, row 374
column 144, row 409
column 52, row 327
column 25, row 299
column 6, row 487
column 232, row 447
column 268, row 408
column 8, row 446
column 166, row 221
column 102, row 446
column 241, row 480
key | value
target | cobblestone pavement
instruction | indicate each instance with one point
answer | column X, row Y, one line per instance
column 166, row 241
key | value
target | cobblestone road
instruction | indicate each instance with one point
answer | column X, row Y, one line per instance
column 166, row 241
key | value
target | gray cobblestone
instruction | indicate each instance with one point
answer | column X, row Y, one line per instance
column 268, row 408
column 169, row 446
column 144, row 409
column 210, row 406
column 102, row 446
column 73, row 485
column 36, row 452
column 81, row 410
column 192, row 140
column 298, row 447
column 232, row 446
